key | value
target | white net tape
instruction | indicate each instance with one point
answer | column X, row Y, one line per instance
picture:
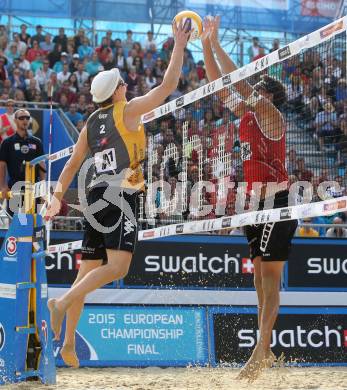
column 326, row 207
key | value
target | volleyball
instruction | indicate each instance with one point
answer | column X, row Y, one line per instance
column 192, row 21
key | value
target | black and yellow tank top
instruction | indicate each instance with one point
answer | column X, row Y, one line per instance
column 117, row 151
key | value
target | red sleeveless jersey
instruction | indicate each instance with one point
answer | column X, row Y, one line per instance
column 263, row 158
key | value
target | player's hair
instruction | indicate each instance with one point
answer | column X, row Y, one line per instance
column 271, row 85
column 106, row 102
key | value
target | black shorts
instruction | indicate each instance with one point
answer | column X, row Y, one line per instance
column 272, row 240
column 117, row 219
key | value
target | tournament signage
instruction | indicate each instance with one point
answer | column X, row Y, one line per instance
column 138, row 336
column 62, row 267
column 303, row 335
column 210, row 262
column 320, row 265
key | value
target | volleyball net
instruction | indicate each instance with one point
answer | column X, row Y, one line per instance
column 198, row 159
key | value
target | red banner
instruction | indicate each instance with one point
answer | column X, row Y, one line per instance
column 325, row 8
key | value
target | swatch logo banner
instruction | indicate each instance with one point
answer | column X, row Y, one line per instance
column 62, row 267
column 190, row 264
column 316, row 338
column 322, row 265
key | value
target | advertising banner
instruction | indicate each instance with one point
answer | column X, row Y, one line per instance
column 198, row 262
column 321, row 265
column 141, row 336
column 303, row 335
column 62, row 267
column 324, row 8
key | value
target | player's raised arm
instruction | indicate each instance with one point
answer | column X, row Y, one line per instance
column 71, row 168
column 140, row 105
column 226, row 63
column 212, row 69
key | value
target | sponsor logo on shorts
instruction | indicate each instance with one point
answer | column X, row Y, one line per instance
column 226, row 222
column 226, row 80
column 150, row 115
column 340, row 204
column 180, row 102
column 284, row 52
column 129, row 227
column 331, row 29
column 285, row 214
column 179, row 229
column 2, row 336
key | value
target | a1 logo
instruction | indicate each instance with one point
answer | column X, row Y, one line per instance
column 11, row 246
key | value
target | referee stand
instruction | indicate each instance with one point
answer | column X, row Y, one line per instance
column 26, row 348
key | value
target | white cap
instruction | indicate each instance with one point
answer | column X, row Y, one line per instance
column 104, row 84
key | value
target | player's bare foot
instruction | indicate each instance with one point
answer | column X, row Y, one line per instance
column 257, row 363
column 69, row 356
column 57, row 316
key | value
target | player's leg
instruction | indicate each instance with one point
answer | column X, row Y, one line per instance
column 271, row 281
column 116, row 268
column 120, row 245
column 262, row 357
column 68, row 351
column 253, row 234
column 258, row 286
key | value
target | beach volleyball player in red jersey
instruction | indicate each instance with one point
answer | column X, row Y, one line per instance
column 262, row 139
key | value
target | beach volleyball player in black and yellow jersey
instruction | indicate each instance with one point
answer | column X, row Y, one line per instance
column 114, row 136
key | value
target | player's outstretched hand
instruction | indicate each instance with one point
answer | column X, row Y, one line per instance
column 180, row 34
column 214, row 25
column 207, row 29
